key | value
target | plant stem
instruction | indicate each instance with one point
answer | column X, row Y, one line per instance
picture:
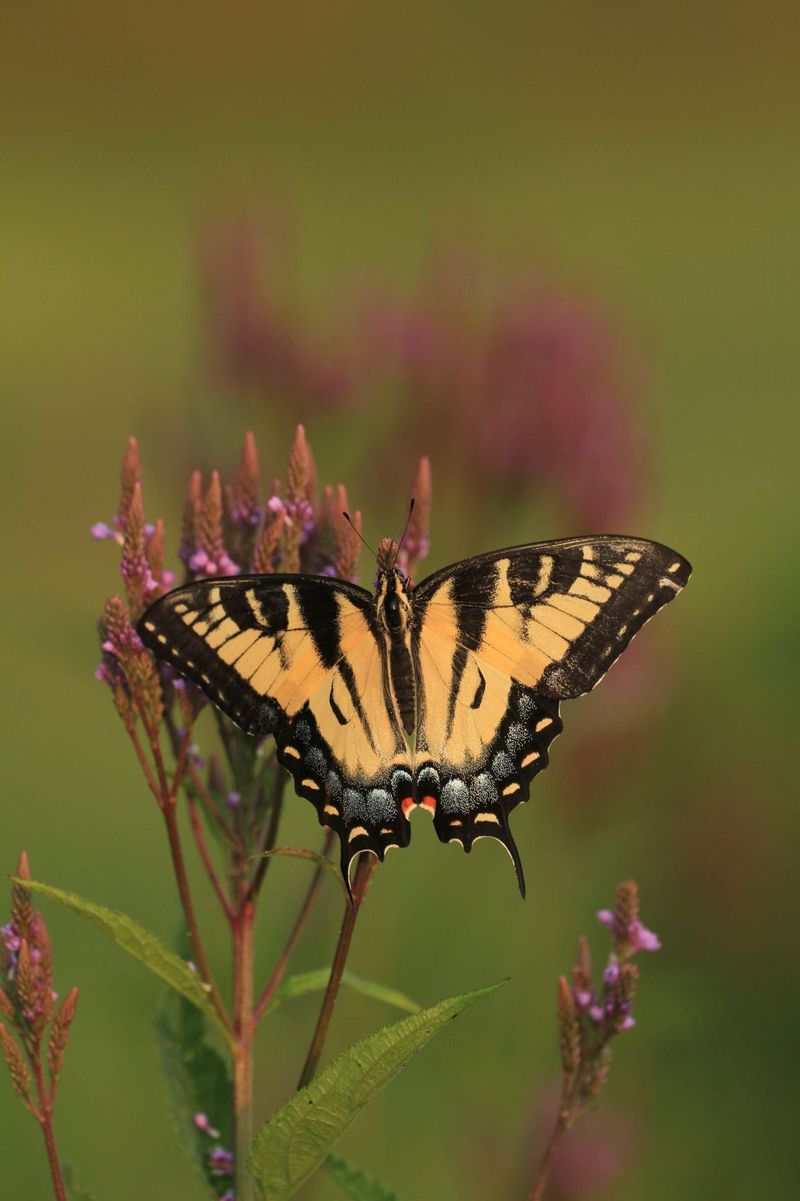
column 279, row 971
column 271, row 834
column 45, row 1119
column 559, row 1130
column 198, row 950
column 205, row 855
column 364, row 869
column 243, row 1027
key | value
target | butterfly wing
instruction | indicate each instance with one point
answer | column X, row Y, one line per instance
column 500, row 640
column 298, row 657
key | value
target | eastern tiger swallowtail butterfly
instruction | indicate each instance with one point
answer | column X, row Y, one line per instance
column 443, row 694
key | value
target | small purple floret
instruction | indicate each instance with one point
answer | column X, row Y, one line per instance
column 611, row 973
column 221, row 1161
column 636, row 935
column 10, row 938
column 202, row 1123
column 642, row 939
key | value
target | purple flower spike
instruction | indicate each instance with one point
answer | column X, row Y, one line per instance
column 234, row 798
column 630, row 935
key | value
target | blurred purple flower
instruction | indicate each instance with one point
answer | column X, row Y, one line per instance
column 630, row 935
column 220, row 1161
column 202, row 1122
column 637, row 936
column 519, row 384
column 258, row 343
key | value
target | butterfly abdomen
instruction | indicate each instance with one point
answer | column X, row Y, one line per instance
column 401, row 672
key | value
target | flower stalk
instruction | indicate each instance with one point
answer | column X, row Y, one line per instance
column 28, row 1007
column 361, row 881
column 589, row 1018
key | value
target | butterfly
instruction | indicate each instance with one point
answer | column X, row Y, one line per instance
column 442, row 695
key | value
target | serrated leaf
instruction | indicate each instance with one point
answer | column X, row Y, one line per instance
column 296, row 1140
column 138, row 942
column 74, row 1190
column 197, row 1078
column 356, row 1182
column 303, row 983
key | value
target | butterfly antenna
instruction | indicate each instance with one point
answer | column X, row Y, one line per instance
column 405, row 529
column 349, row 521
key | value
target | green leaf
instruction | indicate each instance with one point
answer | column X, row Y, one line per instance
column 296, row 1139
column 303, row 983
column 138, row 942
column 74, row 1190
column 356, row 1183
column 198, row 1080
column 313, row 857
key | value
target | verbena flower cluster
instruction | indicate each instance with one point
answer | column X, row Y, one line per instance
column 591, row 1015
column 228, row 528
column 35, row 1030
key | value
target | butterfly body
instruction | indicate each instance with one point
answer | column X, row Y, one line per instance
column 442, row 695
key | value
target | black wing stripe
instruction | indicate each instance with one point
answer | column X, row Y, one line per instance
column 321, row 618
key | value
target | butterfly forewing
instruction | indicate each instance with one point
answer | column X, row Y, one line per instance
column 555, row 615
column 299, row 657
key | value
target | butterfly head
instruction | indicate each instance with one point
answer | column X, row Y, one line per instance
column 393, row 601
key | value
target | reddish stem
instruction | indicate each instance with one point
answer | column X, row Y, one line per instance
column 271, row 834
column 198, row 950
column 243, row 1028
column 208, row 862
column 568, row 1110
column 155, row 751
column 146, row 768
column 180, row 765
column 45, row 1119
column 279, row 971
column 364, row 869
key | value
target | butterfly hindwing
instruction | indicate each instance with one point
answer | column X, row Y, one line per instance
column 471, row 798
column 298, row 657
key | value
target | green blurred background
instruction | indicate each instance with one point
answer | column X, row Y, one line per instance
column 643, row 156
